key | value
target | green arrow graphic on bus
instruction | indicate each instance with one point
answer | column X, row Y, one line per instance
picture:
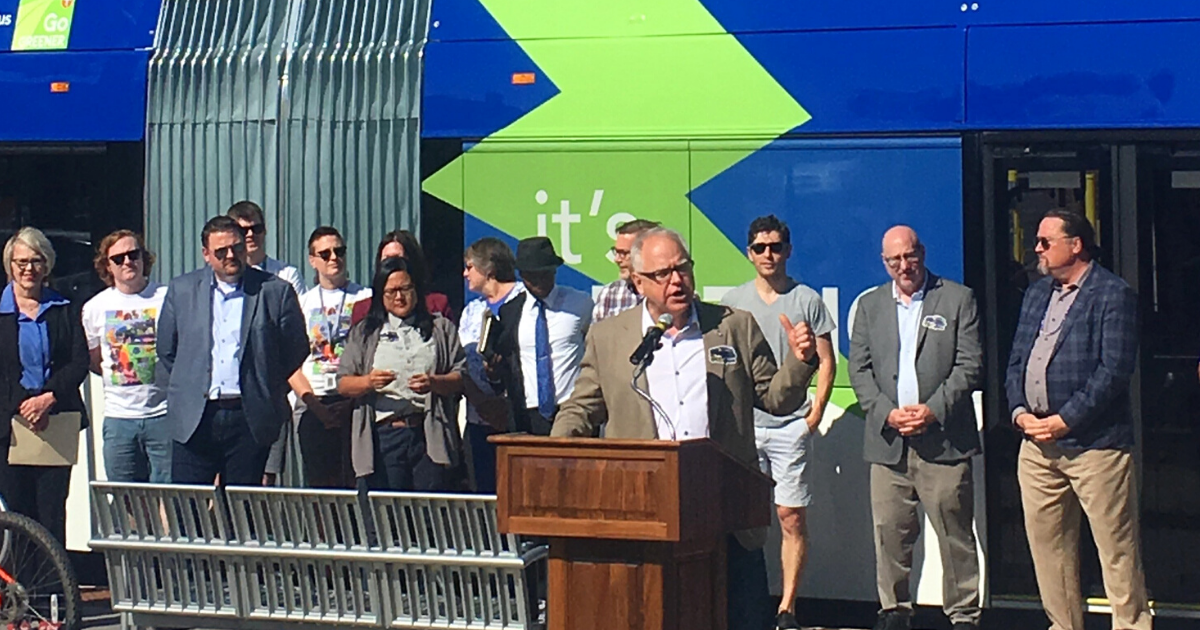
column 625, row 72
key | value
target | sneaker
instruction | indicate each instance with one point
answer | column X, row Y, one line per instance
column 786, row 621
column 893, row 620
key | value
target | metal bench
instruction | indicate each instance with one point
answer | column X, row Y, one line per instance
column 249, row 557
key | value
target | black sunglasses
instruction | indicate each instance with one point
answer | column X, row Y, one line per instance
column 255, row 228
column 326, row 254
column 133, row 255
column 223, row 252
column 759, row 248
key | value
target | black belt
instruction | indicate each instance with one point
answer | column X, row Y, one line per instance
column 226, row 403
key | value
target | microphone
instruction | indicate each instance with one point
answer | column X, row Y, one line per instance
column 485, row 335
column 645, row 350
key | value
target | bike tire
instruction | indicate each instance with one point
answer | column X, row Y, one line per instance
column 27, row 539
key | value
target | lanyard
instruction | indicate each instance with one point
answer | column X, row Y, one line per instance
column 332, row 326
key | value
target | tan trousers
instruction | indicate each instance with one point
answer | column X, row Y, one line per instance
column 1055, row 484
column 947, row 493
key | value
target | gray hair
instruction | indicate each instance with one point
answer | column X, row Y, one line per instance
column 34, row 239
column 635, row 251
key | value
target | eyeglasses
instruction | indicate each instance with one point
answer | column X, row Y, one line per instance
column 223, row 252
column 911, row 258
column 392, row 294
column 776, row 247
column 29, row 263
column 326, row 254
column 1045, row 242
column 662, row 275
column 619, row 253
column 254, row 228
column 133, row 255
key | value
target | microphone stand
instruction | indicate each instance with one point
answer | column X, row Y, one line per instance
column 654, row 406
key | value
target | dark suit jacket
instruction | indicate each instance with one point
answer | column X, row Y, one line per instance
column 274, row 345
column 69, row 362
column 1087, row 381
column 949, row 368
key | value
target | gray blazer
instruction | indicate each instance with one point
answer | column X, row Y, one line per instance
column 443, row 442
column 949, row 368
column 274, row 344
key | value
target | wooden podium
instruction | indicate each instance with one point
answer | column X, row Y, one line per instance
column 637, row 528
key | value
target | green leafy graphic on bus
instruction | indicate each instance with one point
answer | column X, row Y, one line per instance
column 43, row 25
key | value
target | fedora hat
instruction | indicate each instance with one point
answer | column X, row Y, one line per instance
column 536, row 253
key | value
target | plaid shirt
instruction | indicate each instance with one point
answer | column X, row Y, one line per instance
column 616, row 297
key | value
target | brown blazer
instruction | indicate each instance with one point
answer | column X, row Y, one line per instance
column 603, row 394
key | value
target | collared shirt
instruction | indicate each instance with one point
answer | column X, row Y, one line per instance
column 568, row 316
column 227, row 300
column 470, row 329
column 1061, row 299
column 33, row 336
column 615, row 298
column 908, row 320
column 283, row 271
column 678, row 382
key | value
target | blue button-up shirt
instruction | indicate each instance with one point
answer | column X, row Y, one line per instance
column 908, row 319
column 227, row 300
column 33, row 337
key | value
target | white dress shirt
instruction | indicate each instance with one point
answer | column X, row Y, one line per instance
column 908, row 320
column 227, row 300
column 678, row 382
column 568, row 316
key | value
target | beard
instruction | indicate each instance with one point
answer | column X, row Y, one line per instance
column 1043, row 268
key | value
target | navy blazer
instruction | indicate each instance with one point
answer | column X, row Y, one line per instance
column 274, row 345
column 1087, row 380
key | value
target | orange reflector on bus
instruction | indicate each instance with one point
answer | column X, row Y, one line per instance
column 60, row 87
column 524, row 78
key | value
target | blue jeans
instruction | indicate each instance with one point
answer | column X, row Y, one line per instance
column 401, row 463
column 137, row 449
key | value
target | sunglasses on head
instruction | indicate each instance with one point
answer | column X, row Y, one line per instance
column 759, row 248
column 326, row 254
column 133, row 255
column 223, row 252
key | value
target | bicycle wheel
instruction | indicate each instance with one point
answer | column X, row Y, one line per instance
column 38, row 586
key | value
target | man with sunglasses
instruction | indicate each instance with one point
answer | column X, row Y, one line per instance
column 120, row 323
column 713, row 369
column 915, row 359
column 619, row 295
column 229, row 338
column 783, row 441
column 250, row 216
column 322, row 416
column 1068, row 384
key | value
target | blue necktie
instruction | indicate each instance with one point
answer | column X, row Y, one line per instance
column 545, row 373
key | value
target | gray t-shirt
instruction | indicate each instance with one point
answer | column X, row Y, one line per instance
column 800, row 304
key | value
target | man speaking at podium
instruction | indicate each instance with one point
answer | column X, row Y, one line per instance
column 714, row 367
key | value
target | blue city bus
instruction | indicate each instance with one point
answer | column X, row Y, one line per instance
column 967, row 120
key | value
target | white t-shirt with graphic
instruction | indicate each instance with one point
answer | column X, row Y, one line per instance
column 124, row 327
column 327, row 318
